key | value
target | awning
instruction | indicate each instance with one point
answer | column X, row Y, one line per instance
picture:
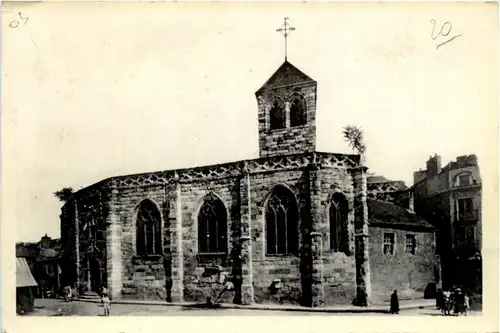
column 48, row 253
column 24, row 278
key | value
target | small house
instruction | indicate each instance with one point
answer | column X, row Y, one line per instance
column 402, row 252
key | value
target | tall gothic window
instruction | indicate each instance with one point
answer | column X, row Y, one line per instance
column 282, row 217
column 277, row 115
column 148, row 239
column 298, row 109
column 212, row 226
column 339, row 232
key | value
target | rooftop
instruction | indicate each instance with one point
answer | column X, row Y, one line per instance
column 389, row 214
column 287, row 74
column 230, row 169
column 373, row 178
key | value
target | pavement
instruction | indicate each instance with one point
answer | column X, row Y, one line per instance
column 375, row 308
column 55, row 307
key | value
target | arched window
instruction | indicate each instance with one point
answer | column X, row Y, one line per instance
column 339, row 232
column 277, row 115
column 282, row 216
column 148, row 239
column 212, row 226
column 298, row 109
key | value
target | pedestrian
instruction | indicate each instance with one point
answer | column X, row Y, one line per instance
column 106, row 303
column 69, row 294
column 447, row 303
column 467, row 303
column 440, row 299
column 210, row 304
column 394, row 303
column 74, row 291
column 459, row 302
column 65, row 294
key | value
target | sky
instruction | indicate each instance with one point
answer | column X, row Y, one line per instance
column 97, row 90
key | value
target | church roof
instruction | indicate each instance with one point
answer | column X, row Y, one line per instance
column 286, row 74
column 384, row 213
column 222, row 170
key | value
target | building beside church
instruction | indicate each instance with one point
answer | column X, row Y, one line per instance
column 402, row 252
column 450, row 197
column 44, row 261
column 291, row 226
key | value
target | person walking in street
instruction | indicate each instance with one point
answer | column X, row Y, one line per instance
column 66, row 293
column 440, row 299
column 106, row 302
column 459, row 302
column 466, row 303
column 74, row 291
column 447, row 303
column 69, row 294
column 394, row 303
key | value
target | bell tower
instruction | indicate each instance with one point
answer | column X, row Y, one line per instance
column 287, row 110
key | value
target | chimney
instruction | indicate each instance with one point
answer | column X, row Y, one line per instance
column 433, row 165
column 472, row 159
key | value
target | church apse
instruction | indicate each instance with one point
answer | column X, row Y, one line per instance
column 86, row 217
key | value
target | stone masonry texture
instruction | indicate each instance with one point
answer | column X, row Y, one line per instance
column 145, row 277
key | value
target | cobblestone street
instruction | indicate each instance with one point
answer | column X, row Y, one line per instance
column 52, row 307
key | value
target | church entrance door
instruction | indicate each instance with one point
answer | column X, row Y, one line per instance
column 95, row 275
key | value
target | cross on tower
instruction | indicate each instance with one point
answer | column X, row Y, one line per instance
column 285, row 30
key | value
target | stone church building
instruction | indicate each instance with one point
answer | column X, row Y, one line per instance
column 291, row 226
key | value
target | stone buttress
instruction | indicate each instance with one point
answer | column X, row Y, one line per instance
column 113, row 246
column 363, row 282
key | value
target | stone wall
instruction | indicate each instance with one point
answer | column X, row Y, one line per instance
column 198, row 282
column 409, row 274
column 333, row 181
column 339, row 273
column 189, row 275
column 339, row 269
column 143, row 276
column 266, row 269
column 146, row 276
column 285, row 269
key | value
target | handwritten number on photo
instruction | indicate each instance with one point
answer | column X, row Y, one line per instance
column 443, row 33
column 15, row 23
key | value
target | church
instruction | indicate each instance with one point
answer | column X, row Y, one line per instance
column 293, row 226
